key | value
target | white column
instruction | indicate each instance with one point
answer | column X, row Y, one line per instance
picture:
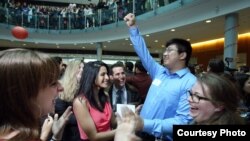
column 99, row 51
column 231, row 38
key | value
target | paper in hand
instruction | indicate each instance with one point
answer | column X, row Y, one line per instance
column 119, row 106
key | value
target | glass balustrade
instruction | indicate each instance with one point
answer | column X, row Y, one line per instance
column 57, row 20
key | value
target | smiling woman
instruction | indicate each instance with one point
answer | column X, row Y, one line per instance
column 91, row 106
column 28, row 75
column 214, row 100
column 28, row 92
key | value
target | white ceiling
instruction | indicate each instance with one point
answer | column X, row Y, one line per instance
column 188, row 21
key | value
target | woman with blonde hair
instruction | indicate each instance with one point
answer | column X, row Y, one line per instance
column 69, row 80
column 71, row 85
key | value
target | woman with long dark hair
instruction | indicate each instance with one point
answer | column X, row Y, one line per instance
column 91, row 105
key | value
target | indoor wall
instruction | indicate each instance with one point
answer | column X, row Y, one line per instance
column 203, row 52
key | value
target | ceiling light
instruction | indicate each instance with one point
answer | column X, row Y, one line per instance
column 131, row 44
column 57, row 46
column 83, row 47
column 147, row 35
column 173, row 30
column 104, row 46
column 188, row 39
column 208, row 21
column 108, row 41
column 24, row 44
column 156, row 41
column 162, row 45
column 126, row 39
column 91, row 43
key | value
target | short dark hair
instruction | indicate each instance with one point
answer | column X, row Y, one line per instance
column 183, row 46
column 216, row 65
column 139, row 66
column 57, row 59
column 129, row 66
column 114, row 66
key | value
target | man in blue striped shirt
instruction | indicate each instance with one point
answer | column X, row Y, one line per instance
column 166, row 103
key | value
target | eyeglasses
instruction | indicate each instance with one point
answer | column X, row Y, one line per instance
column 170, row 49
column 195, row 98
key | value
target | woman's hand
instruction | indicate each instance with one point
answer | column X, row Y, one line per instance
column 46, row 128
column 59, row 124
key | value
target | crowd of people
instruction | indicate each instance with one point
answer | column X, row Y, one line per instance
column 43, row 100
column 68, row 16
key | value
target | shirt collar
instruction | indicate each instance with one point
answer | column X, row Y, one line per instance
column 180, row 72
column 123, row 88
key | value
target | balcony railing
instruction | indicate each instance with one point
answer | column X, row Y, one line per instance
column 71, row 21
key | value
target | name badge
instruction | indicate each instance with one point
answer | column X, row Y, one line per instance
column 156, row 82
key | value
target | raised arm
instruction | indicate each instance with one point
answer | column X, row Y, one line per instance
column 140, row 46
column 130, row 20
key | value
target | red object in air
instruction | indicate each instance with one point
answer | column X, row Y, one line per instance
column 19, row 32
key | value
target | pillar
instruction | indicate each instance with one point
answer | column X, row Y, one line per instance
column 99, row 50
column 231, row 39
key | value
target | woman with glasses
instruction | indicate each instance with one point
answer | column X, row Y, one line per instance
column 214, row 101
column 91, row 104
